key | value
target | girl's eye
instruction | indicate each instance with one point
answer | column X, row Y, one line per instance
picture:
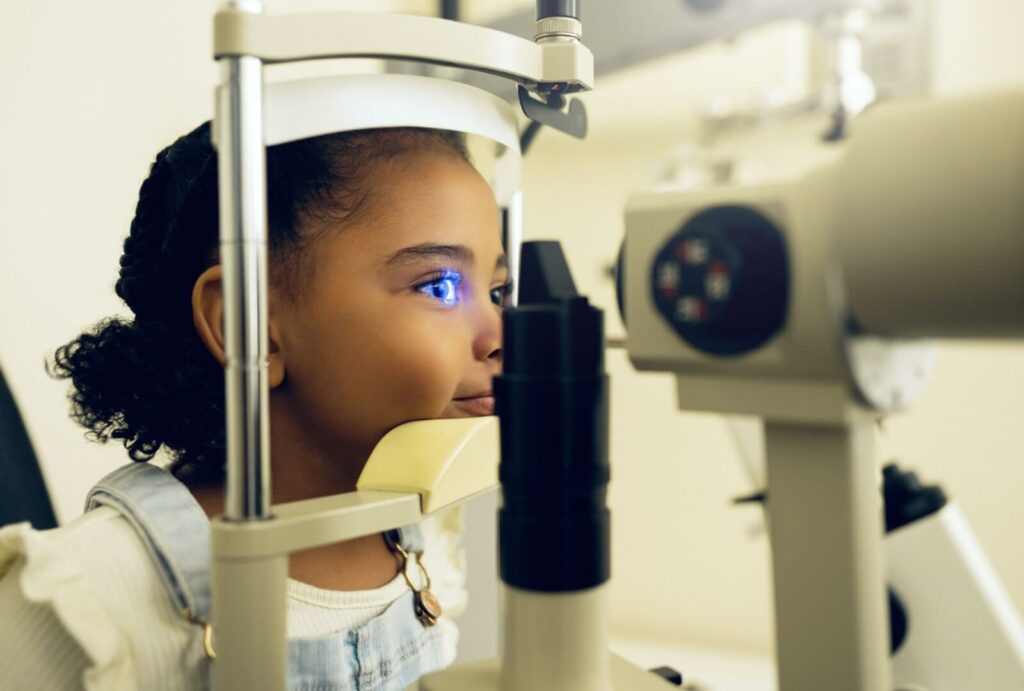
column 444, row 287
column 500, row 294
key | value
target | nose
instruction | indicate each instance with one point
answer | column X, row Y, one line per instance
column 487, row 336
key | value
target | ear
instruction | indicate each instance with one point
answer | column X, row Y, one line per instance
column 208, row 317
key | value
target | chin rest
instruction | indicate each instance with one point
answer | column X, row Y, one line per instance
column 444, row 461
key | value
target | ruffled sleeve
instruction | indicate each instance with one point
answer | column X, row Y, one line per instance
column 63, row 624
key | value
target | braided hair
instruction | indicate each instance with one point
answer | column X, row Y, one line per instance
column 149, row 381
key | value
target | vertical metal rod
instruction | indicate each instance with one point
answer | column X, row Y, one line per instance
column 848, row 89
column 450, row 9
column 825, row 522
column 512, row 222
column 558, row 8
column 249, row 602
column 250, row 623
column 243, row 249
column 555, row 641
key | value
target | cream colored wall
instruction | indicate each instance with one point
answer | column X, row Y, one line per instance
column 93, row 90
column 687, row 566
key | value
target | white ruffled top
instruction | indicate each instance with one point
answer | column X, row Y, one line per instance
column 84, row 608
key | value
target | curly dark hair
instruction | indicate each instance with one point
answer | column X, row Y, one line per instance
column 151, row 382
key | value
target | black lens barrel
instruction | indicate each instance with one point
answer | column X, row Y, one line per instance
column 558, row 8
column 552, row 401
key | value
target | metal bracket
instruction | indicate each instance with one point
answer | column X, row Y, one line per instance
column 572, row 121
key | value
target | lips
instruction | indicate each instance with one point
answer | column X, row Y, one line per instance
column 476, row 405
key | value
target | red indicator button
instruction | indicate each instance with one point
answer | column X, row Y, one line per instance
column 718, row 267
column 690, row 309
column 693, row 251
column 668, row 276
column 717, row 287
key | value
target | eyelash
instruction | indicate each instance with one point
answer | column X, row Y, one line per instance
column 504, row 291
column 451, row 298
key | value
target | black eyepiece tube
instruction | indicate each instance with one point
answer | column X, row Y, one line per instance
column 552, row 404
column 558, row 8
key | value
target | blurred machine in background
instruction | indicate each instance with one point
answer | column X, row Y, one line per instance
column 807, row 301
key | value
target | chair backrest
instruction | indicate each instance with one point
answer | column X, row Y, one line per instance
column 23, row 495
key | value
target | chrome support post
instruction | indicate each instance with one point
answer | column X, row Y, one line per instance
column 243, row 254
column 249, row 607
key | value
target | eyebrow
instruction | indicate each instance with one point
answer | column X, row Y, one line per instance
column 428, row 250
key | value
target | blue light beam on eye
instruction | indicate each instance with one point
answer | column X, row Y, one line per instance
column 444, row 288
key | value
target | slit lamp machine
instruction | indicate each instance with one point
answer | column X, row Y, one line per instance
column 808, row 303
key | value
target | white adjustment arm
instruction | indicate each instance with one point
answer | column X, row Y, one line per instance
column 567, row 66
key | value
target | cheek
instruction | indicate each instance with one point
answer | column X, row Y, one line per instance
column 407, row 369
column 423, row 369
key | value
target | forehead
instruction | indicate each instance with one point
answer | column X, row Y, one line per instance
column 425, row 198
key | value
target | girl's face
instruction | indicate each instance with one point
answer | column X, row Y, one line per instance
column 401, row 317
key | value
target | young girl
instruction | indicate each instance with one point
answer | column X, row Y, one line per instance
column 387, row 279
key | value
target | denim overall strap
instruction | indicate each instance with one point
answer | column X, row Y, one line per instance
column 388, row 653
column 170, row 523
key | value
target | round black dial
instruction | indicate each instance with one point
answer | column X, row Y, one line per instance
column 722, row 281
